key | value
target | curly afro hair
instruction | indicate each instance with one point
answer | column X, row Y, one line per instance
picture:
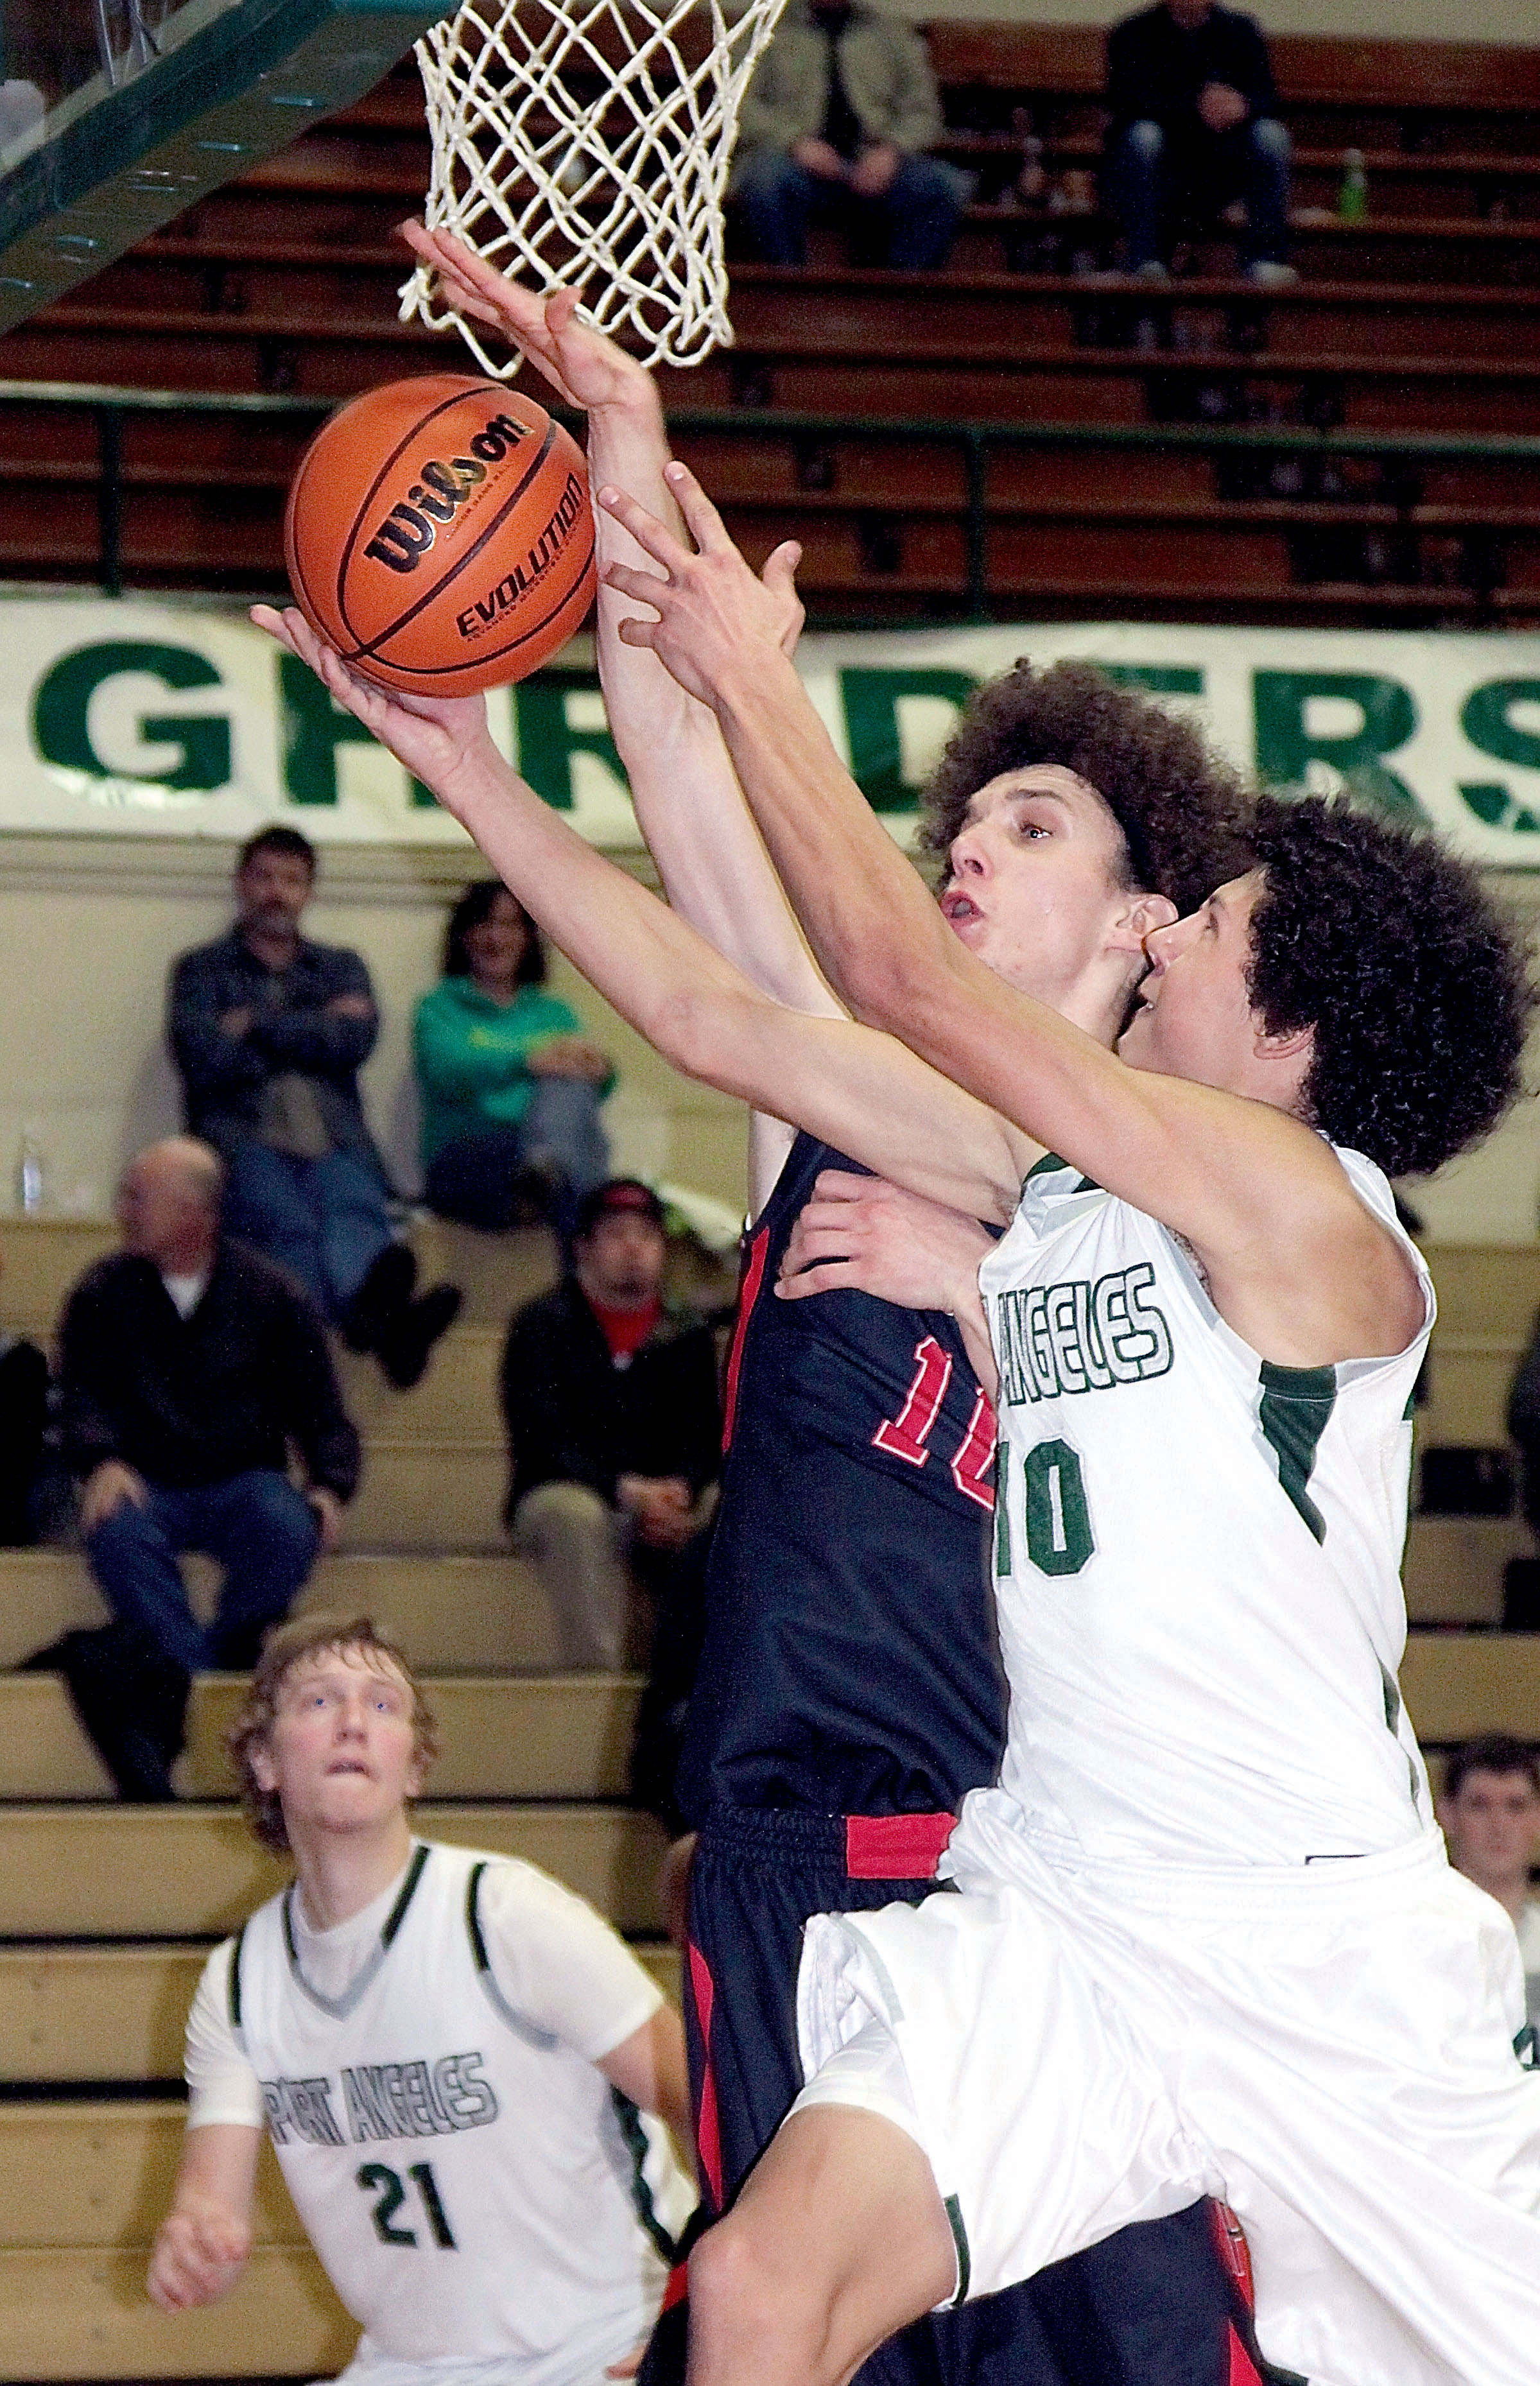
column 1182, row 811
column 1377, row 936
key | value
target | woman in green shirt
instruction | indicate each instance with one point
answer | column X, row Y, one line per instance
column 510, row 1085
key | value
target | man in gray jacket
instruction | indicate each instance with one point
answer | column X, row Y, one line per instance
column 268, row 1032
column 835, row 120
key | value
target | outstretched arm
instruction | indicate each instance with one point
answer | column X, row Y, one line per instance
column 688, row 805
column 1295, row 1262
column 841, row 1082
column 691, row 809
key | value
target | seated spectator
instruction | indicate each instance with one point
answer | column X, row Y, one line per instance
column 834, row 122
column 189, row 1365
column 269, row 1032
column 23, row 1420
column 1194, row 125
column 510, row 1085
column 1490, row 1811
column 614, row 1424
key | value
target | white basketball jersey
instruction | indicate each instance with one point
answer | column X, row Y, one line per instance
column 1197, row 1558
column 472, row 2186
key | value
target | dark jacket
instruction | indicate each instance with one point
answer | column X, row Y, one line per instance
column 573, row 1416
column 1154, row 70
column 190, row 1402
column 222, row 1076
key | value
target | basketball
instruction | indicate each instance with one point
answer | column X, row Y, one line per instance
column 439, row 534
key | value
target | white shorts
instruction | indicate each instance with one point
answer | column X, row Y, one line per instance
column 1329, row 2048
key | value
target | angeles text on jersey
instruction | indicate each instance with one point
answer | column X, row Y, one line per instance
column 427, row 2098
column 1084, row 1336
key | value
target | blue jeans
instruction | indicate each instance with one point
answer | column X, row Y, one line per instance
column 1149, row 174
column 260, row 1530
column 324, row 1220
column 474, row 1179
column 910, row 226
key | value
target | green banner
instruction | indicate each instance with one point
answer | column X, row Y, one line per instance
column 141, row 718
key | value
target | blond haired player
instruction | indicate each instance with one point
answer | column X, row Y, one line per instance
column 452, row 2055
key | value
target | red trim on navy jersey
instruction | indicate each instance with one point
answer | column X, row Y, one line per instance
column 894, row 1847
column 677, row 2288
column 1243, row 2370
column 748, row 1293
column 708, row 2142
column 1233, row 2251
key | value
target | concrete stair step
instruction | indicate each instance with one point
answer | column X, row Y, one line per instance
column 452, row 1614
column 562, row 1737
column 102, row 2174
column 45, row 1255
column 1459, row 1683
column 179, row 1872
column 429, row 1495
column 118, row 2013
column 1454, row 1568
column 75, row 2313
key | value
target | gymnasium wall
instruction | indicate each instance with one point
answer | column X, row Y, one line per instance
column 88, row 926
column 1418, row 21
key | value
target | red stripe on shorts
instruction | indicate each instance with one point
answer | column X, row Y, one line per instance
column 708, row 2143
column 894, row 1847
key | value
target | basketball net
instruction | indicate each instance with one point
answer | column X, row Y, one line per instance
column 588, row 144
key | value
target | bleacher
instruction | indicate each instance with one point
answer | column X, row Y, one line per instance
column 1411, row 325
column 106, row 1911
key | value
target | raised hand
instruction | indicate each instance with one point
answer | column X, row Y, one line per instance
column 582, row 367
column 435, row 736
column 714, row 614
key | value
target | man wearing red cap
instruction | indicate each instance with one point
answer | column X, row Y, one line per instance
column 610, row 1397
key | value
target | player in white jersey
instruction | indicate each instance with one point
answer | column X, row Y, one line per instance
column 1353, row 986
column 457, row 2062
column 1208, row 1937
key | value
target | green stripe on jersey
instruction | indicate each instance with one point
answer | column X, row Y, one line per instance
column 965, row 2259
column 1295, row 1406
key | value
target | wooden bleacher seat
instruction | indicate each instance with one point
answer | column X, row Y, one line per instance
column 179, row 1872
column 98, row 2015
column 562, row 1737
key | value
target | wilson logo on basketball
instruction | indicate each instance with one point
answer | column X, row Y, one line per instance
column 408, row 531
column 478, row 617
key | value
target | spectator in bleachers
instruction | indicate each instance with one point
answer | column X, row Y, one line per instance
column 189, row 1368
column 23, row 1420
column 1194, row 127
column 269, row 1032
column 510, row 1085
column 836, row 120
column 614, row 1424
column 1490, row 1811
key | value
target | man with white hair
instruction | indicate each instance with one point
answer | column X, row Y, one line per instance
column 189, row 1365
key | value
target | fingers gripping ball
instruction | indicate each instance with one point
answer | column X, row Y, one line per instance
column 439, row 535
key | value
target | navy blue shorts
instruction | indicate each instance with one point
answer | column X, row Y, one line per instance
column 1165, row 2303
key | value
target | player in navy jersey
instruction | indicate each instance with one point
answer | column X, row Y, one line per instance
column 849, row 1692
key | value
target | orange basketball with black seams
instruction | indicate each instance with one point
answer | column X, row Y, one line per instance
column 439, row 534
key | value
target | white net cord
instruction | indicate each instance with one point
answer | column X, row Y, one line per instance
column 589, row 145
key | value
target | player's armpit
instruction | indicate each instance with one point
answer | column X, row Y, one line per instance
column 201, row 2246
column 649, row 2066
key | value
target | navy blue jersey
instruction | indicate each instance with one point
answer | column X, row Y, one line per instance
column 850, row 1664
